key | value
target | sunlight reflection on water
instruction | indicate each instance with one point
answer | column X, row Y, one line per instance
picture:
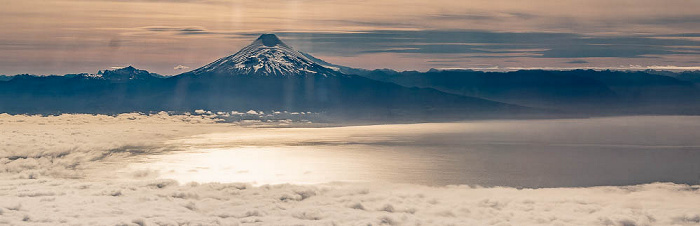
column 260, row 165
column 535, row 153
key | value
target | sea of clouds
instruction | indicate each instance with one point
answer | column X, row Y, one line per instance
column 57, row 170
column 164, row 202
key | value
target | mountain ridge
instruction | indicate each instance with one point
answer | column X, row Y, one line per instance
column 270, row 75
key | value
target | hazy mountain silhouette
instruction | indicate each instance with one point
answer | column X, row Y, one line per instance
column 578, row 91
column 5, row 78
column 690, row 76
column 586, row 92
column 126, row 74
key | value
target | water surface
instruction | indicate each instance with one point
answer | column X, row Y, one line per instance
column 526, row 153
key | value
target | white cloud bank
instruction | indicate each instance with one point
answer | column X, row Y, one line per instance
column 163, row 202
column 180, row 67
column 48, row 177
column 64, row 145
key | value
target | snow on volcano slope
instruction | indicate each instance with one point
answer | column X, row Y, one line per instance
column 266, row 56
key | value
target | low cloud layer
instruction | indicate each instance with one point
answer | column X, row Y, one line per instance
column 164, row 202
column 65, row 145
column 62, row 146
column 62, row 170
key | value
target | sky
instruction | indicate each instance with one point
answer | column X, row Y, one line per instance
column 173, row 36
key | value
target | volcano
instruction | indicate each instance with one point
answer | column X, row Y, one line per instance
column 266, row 56
column 270, row 75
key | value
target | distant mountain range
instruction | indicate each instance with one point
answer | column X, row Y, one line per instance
column 579, row 91
column 574, row 92
column 266, row 75
column 270, row 75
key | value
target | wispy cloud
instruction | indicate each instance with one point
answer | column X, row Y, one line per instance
column 621, row 67
column 181, row 67
column 577, row 62
column 528, row 44
column 180, row 30
column 483, row 16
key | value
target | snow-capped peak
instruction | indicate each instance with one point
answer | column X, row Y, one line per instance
column 266, row 56
column 270, row 40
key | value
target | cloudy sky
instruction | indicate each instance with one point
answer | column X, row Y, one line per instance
column 172, row 36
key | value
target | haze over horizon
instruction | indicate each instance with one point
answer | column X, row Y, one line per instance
column 171, row 37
